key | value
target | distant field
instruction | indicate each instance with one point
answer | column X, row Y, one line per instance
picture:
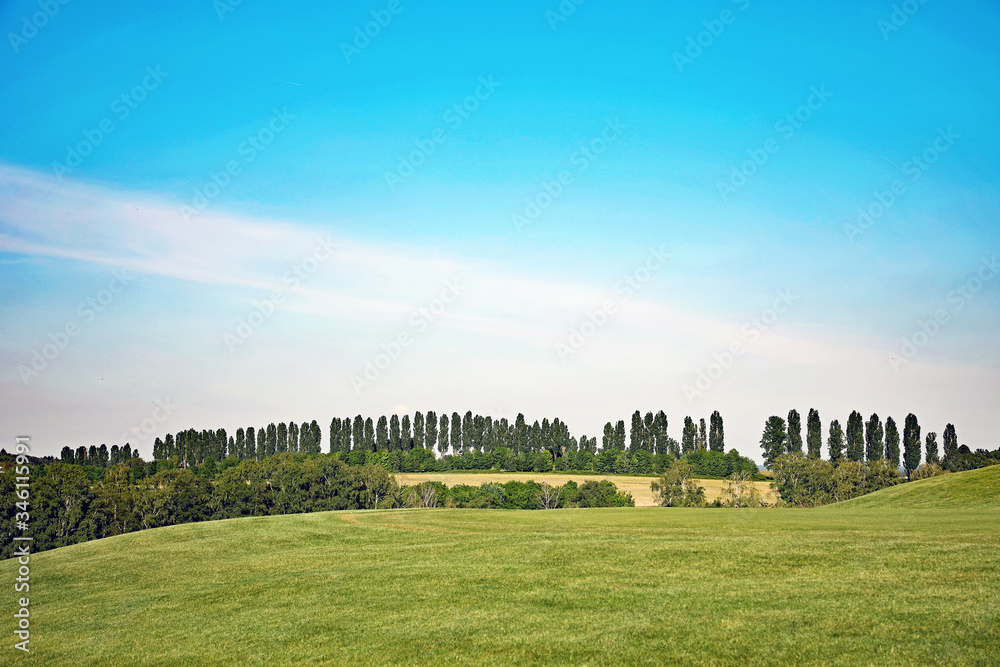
column 637, row 486
column 840, row 585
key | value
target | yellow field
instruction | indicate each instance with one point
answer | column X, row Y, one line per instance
column 637, row 486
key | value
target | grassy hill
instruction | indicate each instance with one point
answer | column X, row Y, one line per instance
column 974, row 488
column 841, row 585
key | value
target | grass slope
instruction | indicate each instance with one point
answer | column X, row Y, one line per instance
column 841, row 585
column 973, row 488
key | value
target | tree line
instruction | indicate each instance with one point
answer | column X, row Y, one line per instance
column 864, row 441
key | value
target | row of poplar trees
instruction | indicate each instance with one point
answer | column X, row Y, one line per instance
column 861, row 441
column 456, row 433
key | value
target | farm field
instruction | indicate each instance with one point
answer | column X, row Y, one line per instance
column 636, row 485
column 887, row 583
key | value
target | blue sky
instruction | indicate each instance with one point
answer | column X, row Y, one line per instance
column 199, row 81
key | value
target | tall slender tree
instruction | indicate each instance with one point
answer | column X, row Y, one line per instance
column 457, row 444
column 660, row 430
column 874, row 446
column 358, row 433
column 394, row 433
column 814, row 434
column 911, row 444
column 262, row 443
column 891, row 442
column 467, row 430
column 931, row 448
column 369, row 435
column 635, row 433
column 950, row 442
column 689, row 436
column 855, row 437
column 774, row 439
column 431, row 430
column 716, row 437
column 649, row 432
column 702, row 435
column 405, row 437
column 241, row 443
column 282, row 439
column 620, row 434
column 418, row 429
column 293, row 437
column 382, row 434
column 794, row 442
column 835, row 442
column 443, row 434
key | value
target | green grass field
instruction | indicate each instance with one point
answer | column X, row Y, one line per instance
column 890, row 579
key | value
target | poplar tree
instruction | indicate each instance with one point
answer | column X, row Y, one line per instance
column 874, row 446
column 950, row 442
column 382, row 434
column 702, row 435
column 293, row 437
column 282, row 439
column 620, row 434
column 635, row 433
column 405, row 438
column 835, row 442
column 716, row 438
column 457, row 444
column 443, row 434
column 431, row 430
column 369, row 435
column 911, row 444
column 774, row 440
column 418, row 429
column 358, row 433
column 855, row 437
column 689, row 436
column 272, row 439
column 892, row 443
column 660, row 432
column 794, row 441
column 394, row 433
column 931, row 448
column 261, row 443
column 814, row 434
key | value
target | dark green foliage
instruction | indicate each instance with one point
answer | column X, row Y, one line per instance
column 806, row 482
column 931, row 448
column 702, row 436
column 773, row 439
column 716, row 436
column 911, row 444
column 814, row 434
column 950, row 443
column 689, row 436
column 891, row 442
column 855, row 437
column 794, row 442
column 874, row 447
column 715, row 464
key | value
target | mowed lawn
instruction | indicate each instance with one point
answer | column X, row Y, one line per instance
column 637, row 486
column 628, row 586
